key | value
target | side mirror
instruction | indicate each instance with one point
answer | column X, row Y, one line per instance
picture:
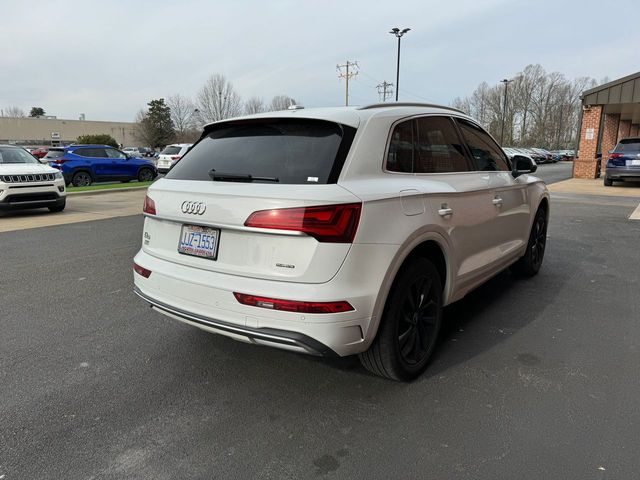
column 522, row 165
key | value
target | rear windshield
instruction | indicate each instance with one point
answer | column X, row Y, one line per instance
column 293, row 151
column 54, row 153
column 171, row 150
column 629, row 145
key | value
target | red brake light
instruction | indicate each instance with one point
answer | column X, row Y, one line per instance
column 175, row 157
column 293, row 305
column 615, row 155
column 149, row 206
column 59, row 161
column 326, row 223
column 141, row 270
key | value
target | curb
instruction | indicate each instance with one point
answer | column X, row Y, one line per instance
column 107, row 190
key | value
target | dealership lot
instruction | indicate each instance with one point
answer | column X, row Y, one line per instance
column 533, row 378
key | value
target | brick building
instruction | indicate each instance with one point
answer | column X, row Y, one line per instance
column 609, row 112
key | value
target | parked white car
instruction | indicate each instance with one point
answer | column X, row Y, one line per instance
column 27, row 183
column 170, row 155
column 338, row 231
column 133, row 152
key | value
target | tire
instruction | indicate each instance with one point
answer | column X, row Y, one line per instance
column 608, row 182
column 58, row 208
column 145, row 174
column 81, row 179
column 529, row 264
column 410, row 324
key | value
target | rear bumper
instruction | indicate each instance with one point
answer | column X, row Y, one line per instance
column 205, row 299
column 622, row 173
column 278, row 338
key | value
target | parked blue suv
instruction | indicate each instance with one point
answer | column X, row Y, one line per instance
column 81, row 165
column 624, row 162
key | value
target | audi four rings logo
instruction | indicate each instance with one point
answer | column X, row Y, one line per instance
column 194, row 208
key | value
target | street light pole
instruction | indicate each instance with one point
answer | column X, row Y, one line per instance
column 398, row 33
column 504, row 110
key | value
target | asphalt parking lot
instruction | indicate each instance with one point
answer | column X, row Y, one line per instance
column 533, row 378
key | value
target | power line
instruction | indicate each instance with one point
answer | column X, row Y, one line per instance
column 347, row 75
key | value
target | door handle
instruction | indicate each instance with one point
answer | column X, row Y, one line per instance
column 497, row 201
column 445, row 210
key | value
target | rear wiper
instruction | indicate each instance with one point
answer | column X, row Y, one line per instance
column 239, row 177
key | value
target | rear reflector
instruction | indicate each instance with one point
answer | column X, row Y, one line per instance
column 293, row 305
column 141, row 270
column 149, row 206
column 326, row 223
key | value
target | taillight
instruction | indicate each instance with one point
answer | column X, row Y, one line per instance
column 141, row 270
column 60, row 161
column 617, row 159
column 175, row 157
column 293, row 305
column 326, row 223
column 149, row 206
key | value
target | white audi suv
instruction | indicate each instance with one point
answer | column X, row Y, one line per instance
column 338, row 231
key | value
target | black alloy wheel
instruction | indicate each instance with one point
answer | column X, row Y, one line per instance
column 81, row 179
column 418, row 322
column 529, row 264
column 410, row 323
column 145, row 175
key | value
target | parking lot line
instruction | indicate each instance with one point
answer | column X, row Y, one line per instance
column 636, row 214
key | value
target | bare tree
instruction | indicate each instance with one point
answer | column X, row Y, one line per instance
column 183, row 111
column 281, row 102
column 13, row 112
column 217, row 100
column 254, row 105
column 542, row 109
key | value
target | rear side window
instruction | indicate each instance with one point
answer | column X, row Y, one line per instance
column 91, row 152
column 438, row 147
column 427, row 145
column 487, row 155
column 171, row 150
column 628, row 145
column 295, row 151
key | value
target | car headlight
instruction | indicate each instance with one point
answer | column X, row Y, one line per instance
column 58, row 175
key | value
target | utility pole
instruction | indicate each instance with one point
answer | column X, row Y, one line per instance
column 504, row 109
column 347, row 74
column 384, row 90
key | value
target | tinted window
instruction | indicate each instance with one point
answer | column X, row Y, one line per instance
column 113, row 153
column 400, row 157
column 91, row 152
column 54, row 153
column 16, row 155
column 171, row 150
column 486, row 153
column 628, row 145
column 438, row 147
column 295, row 151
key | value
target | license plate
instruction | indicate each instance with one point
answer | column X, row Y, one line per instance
column 199, row 241
column 633, row 163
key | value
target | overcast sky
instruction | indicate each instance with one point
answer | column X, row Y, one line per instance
column 107, row 59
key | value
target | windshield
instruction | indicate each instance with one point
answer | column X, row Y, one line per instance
column 54, row 154
column 171, row 150
column 293, row 151
column 16, row 155
column 629, row 145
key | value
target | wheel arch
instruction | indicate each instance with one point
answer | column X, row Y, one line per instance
column 431, row 245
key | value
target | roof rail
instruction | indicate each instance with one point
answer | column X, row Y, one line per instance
column 408, row 104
